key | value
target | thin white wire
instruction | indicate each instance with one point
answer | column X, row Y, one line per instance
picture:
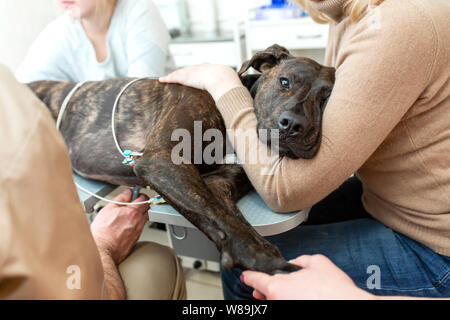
column 66, row 103
column 150, row 201
column 58, row 123
column 116, row 102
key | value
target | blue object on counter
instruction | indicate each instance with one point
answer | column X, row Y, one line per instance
column 279, row 9
column 278, row 2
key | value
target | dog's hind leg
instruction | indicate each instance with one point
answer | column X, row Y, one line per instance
column 228, row 181
column 183, row 187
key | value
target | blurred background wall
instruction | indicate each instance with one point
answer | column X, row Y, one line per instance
column 22, row 20
column 20, row 23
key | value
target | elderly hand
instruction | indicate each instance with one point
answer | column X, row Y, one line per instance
column 116, row 229
column 214, row 78
column 319, row 279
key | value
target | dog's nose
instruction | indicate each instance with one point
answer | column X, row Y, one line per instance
column 289, row 123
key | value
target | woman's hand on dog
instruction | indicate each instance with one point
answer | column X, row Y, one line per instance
column 214, row 78
column 117, row 228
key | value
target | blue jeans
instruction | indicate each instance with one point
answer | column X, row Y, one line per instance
column 378, row 259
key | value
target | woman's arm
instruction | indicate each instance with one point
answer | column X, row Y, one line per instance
column 116, row 229
column 147, row 40
column 378, row 80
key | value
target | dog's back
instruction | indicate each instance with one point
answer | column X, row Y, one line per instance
column 147, row 110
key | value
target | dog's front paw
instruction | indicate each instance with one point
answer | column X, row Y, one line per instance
column 254, row 253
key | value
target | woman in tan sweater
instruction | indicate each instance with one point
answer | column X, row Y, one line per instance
column 387, row 121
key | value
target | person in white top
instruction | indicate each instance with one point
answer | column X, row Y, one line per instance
column 99, row 39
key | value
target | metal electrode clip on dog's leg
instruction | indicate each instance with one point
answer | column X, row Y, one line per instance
column 131, row 161
column 130, row 157
column 157, row 200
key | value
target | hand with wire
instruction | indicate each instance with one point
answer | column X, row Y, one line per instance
column 117, row 228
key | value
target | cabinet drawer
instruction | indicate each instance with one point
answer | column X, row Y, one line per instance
column 292, row 36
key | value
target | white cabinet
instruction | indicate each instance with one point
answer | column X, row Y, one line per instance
column 186, row 54
column 227, row 48
column 303, row 35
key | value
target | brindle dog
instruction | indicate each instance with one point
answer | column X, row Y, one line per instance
column 290, row 95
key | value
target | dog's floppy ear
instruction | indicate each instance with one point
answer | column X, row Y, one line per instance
column 328, row 74
column 322, row 87
column 251, row 82
column 320, row 93
column 264, row 60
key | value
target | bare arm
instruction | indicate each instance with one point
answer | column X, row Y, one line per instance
column 116, row 229
column 114, row 286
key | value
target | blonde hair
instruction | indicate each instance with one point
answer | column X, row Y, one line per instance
column 355, row 9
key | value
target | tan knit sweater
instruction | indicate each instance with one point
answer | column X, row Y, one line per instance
column 388, row 120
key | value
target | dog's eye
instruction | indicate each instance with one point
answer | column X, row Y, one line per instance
column 284, row 82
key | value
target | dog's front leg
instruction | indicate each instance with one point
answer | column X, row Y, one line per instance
column 183, row 187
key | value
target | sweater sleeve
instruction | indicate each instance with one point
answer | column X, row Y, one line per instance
column 46, row 250
column 380, row 75
column 147, row 40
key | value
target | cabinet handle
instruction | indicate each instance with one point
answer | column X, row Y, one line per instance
column 177, row 236
column 310, row 36
column 184, row 54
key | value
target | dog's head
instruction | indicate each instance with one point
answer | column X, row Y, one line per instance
column 290, row 95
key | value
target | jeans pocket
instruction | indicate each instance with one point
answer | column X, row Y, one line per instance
column 443, row 285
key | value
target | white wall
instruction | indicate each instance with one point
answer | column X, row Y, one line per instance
column 228, row 11
column 22, row 20
column 20, row 23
